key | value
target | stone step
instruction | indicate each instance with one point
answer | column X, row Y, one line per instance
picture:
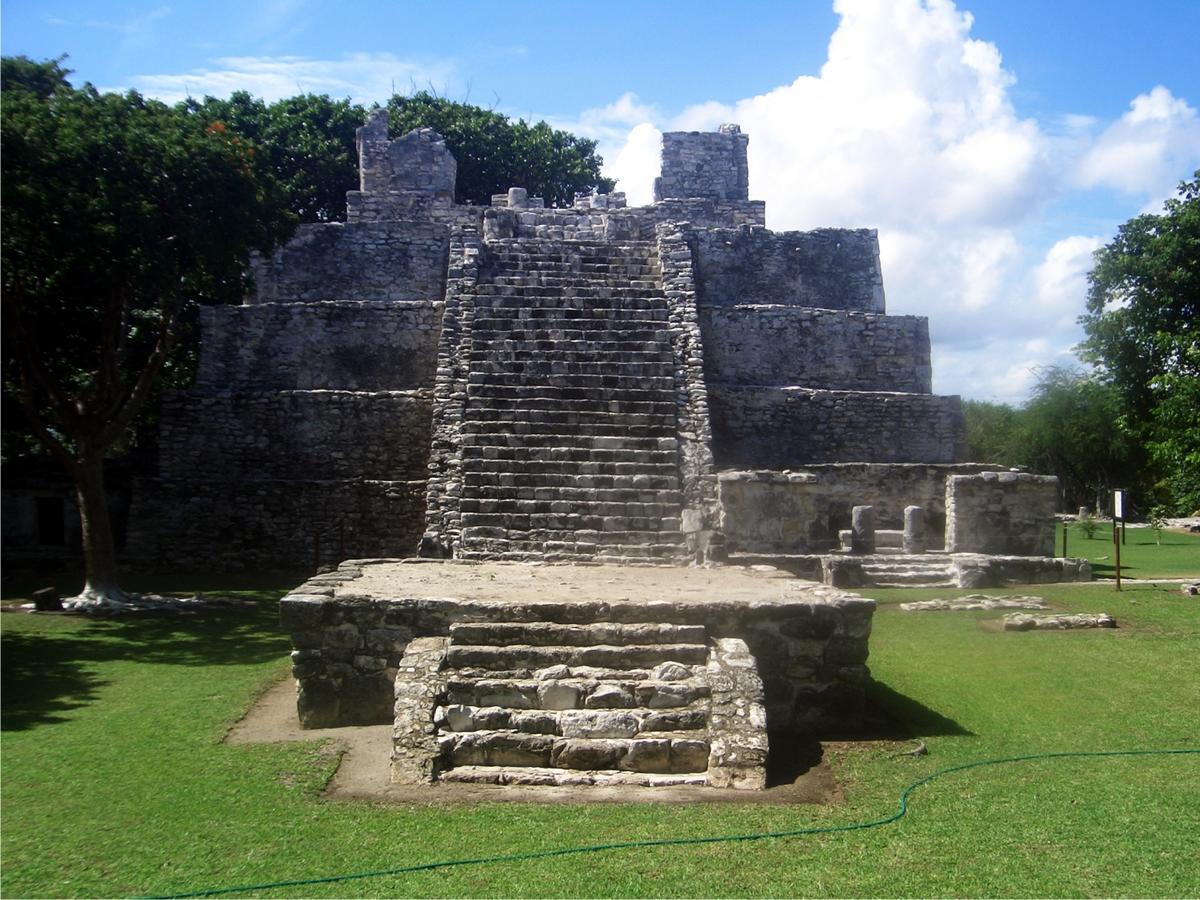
column 534, row 396
column 638, row 282
column 551, row 453
column 571, row 723
column 484, row 485
column 673, row 752
column 524, row 656
column 584, row 341
column 629, row 559
column 575, row 692
column 483, row 491
column 567, row 523
column 549, row 369
column 585, row 542
column 589, row 323
column 546, row 341
column 576, row 437
column 563, row 411
column 617, row 354
column 597, row 295
column 540, row 471
column 539, row 633
column 532, row 775
column 501, row 318
column 522, row 547
column 579, row 509
column 657, row 384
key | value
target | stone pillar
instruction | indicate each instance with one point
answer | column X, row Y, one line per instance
column 1084, row 512
column 914, row 529
column 862, row 530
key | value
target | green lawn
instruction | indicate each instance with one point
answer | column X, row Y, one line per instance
column 115, row 781
column 1142, row 554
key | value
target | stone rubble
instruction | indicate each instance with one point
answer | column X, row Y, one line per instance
column 1026, row 622
column 976, row 601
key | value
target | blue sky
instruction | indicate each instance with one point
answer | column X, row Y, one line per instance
column 994, row 143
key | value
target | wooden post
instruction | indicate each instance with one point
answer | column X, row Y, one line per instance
column 1117, row 553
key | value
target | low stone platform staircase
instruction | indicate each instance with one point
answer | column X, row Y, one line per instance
column 569, row 434
column 924, row 570
column 545, row 703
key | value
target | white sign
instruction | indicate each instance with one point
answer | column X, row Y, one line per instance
column 1118, row 504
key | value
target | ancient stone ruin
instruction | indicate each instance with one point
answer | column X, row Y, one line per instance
column 663, row 385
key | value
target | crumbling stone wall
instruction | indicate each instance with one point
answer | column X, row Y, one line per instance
column 356, row 261
column 708, row 164
column 367, row 346
column 772, row 511
column 781, row 428
column 829, row 268
column 1001, row 512
column 418, row 162
column 817, row 348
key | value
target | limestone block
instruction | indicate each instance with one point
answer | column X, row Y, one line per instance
column 862, row 530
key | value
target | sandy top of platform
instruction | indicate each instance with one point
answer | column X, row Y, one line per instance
column 559, row 583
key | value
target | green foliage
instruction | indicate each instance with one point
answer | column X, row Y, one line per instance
column 306, row 144
column 1070, row 428
column 1143, row 333
column 119, row 214
column 113, row 740
column 1088, row 525
column 495, row 153
column 993, row 432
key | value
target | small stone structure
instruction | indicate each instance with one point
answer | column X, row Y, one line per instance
column 505, row 673
column 597, row 384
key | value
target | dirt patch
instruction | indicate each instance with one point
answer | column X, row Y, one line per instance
column 799, row 772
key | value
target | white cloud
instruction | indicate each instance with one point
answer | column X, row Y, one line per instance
column 363, row 77
column 909, row 127
column 1061, row 278
column 1148, row 149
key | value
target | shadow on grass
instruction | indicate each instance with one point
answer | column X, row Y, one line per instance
column 890, row 715
column 48, row 674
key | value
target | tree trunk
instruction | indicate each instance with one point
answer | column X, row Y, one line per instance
column 100, row 563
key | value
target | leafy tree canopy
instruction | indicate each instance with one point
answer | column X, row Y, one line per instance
column 118, row 212
column 1143, row 334
column 495, row 153
column 305, row 143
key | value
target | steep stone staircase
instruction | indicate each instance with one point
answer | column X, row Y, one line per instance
column 544, row 703
column 569, row 434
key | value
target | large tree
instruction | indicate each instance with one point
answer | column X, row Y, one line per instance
column 1143, row 334
column 305, row 143
column 495, row 153
column 118, row 213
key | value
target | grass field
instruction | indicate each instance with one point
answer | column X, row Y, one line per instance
column 115, row 781
column 1143, row 553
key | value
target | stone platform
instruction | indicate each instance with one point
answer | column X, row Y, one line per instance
column 577, row 675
